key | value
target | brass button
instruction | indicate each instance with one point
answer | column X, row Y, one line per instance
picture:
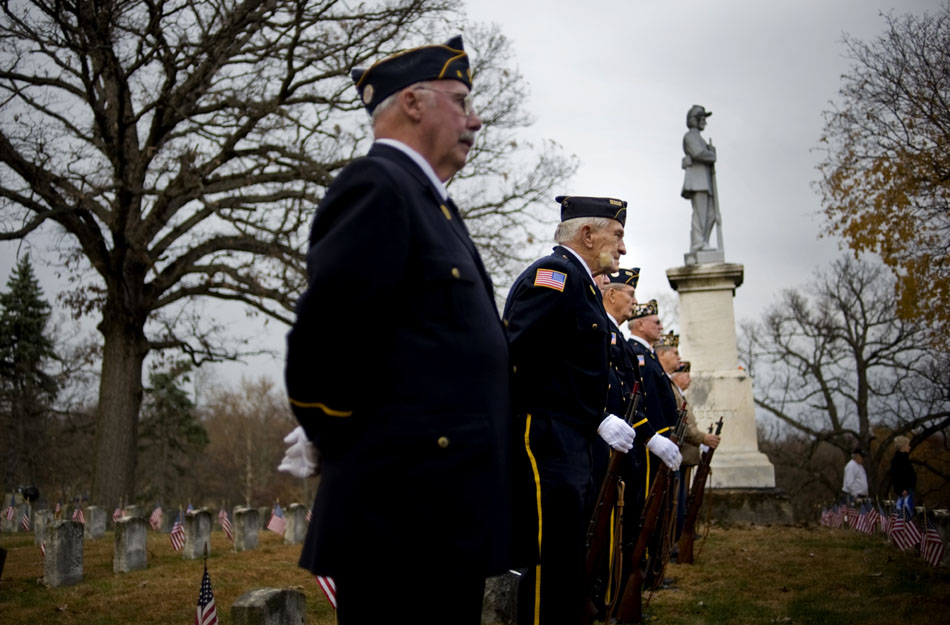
column 456, row 273
column 514, row 369
column 504, row 322
column 443, row 442
column 445, row 211
column 593, row 327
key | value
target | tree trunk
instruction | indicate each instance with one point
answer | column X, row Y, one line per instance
column 117, row 416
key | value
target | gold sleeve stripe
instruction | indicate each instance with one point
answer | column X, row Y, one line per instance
column 639, row 423
column 329, row 411
column 666, row 429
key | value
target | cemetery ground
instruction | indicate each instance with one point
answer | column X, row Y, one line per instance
column 743, row 576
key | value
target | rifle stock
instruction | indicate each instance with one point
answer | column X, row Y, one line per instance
column 629, row 609
column 695, row 502
column 609, row 497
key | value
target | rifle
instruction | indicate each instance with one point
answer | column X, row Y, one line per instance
column 600, row 552
column 695, row 502
column 630, row 607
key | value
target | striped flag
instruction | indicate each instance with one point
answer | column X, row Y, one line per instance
column 43, row 548
column 78, row 515
column 277, row 521
column 117, row 514
column 550, row 278
column 931, row 545
column 11, row 510
column 155, row 519
column 329, row 588
column 309, row 514
column 225, row 523
column 177, row 535
column 25, row 521
column 911, row 530
column 206, row 613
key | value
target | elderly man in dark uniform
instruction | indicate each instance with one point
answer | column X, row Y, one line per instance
column 661, row 412
column 559, row 339
column 414, row 441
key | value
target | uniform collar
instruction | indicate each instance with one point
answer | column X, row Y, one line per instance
column 583, row 263
column 642, row 342
column 419, row 160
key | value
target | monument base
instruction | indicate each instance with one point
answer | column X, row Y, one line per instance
column 704, row 257
column 749, row 506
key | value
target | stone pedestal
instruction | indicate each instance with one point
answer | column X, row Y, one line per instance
column 95, row 522
column 62, row 565
column 197, row 534
column 247, row 525
column 270, row 606
column 131, row 546
column 719, row 387
column 296, row 524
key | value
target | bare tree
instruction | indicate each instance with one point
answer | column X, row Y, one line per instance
column 177, row 148
column 833, row 361
column 885, row 178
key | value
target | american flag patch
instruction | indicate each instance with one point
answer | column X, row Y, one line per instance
column 613, row 338
column 641, row 360
column 550, row 278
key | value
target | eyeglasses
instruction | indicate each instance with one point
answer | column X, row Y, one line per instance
column 463, row 100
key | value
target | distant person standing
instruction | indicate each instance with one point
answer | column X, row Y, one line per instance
column 855, row 478
column 903, row 475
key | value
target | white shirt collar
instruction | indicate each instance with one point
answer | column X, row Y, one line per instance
column 583, row 262
column 642, row 342
column 419, row 160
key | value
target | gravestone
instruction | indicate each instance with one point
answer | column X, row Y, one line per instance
column 197, row 534
column 500, row 603
column 270, row 606
column 247, row 525
column 131, row 545
column 41, row 518
column 95, row 522
column 264, row 512
column 134, row 510
column 296, row 524
column 62, row 565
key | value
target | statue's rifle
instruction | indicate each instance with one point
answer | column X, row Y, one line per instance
column 629, row 608
column 695, row 502
column 602, row 551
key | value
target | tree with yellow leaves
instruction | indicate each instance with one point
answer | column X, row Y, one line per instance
column 885, row 177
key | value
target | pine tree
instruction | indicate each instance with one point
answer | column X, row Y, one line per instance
column 170, row 434
column 27, row 391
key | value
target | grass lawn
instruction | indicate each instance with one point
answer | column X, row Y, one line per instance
column 742, row 576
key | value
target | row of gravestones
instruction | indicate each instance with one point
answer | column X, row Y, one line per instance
column 63, row 540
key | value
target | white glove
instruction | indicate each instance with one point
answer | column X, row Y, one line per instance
column 617, row 433
column 703, row 448
column 666, row 450
column 300, row 459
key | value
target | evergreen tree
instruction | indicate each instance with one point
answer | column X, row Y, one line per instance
column 27, row 391
column 169, row 436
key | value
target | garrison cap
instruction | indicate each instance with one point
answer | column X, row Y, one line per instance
column 645, row 310
column 626, row 276
column 573, row 206
column 668, row 340
column 433, row 62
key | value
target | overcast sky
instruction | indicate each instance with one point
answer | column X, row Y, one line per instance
column 611, row 81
